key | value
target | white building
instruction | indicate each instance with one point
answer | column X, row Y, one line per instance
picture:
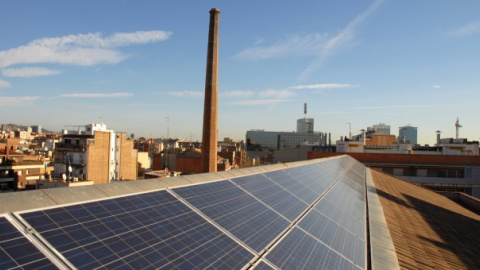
column 381, row 128
column 279, row 139
column 305, row 125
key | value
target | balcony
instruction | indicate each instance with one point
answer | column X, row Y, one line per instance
column 71, row 161
column 70, row 147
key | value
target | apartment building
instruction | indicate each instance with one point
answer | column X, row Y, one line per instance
column 94, row 153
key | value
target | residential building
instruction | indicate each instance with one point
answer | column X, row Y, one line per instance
column 37, row 129
column 94, row 153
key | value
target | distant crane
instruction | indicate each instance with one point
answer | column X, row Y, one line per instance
column 457, row 127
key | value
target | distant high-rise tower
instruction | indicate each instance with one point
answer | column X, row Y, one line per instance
column 210, row 113
column 407, row 134
column 37, row 129
column 305, row 125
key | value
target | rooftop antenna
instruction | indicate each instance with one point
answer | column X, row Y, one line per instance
column 305, row 110
column 349, row 130
column 168, row 141
column 457, row 127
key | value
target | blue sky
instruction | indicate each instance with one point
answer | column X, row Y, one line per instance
column 139, row 66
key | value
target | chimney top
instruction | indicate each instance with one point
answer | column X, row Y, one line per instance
column 216, row 10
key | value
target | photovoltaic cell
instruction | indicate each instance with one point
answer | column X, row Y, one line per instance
column 292, row 185
column 150, row 230
column 263, row 266
column 272, row 195
column 334, row 236
column 16, row 251
column 333, row 232
column 298, row 250
column 156, row 230
column 236, row 211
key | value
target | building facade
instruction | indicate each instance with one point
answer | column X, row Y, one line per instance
column 275, row 140
column 94, row 153
column 305, row 125
column 381, row 128
column 407, row 134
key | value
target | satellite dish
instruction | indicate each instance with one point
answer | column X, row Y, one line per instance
column 64, row 177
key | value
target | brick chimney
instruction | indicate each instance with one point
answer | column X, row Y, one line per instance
column 210, row 113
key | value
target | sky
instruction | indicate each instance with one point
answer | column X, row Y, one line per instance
column 139, row 66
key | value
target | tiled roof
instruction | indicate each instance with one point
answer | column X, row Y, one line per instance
column 428, row 230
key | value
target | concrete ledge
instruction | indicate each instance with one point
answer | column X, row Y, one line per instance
column 382, row 250
column 461, row 198
column 34, row 199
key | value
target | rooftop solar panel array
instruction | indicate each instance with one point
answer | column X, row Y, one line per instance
column 305, row 217
column 17, row 252
column 149, row 230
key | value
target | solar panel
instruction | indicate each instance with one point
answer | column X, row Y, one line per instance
column 16, row 251
column 263, row 266
column 235, row 210
column 334, row 236
column 298, row 250
column 309, row 216
column 292, row 185
column 140, row 231
column 273, row 195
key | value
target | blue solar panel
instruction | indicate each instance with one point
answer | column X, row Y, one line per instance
column 236, row 211
column 263, row 266
column 150, row 230
column 16, row 251
column 273, row 195
column 157, row 230
column 290, row 184
column 298, row 250
column 334, row 235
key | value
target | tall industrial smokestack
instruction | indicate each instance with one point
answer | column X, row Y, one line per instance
column 210, row 113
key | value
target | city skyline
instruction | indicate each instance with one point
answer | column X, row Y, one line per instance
column 140, row 67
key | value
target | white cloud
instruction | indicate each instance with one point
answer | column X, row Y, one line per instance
column 17, row 101
column 466, row 30
column 266, row 97
column 293, row 45
column 400, row 106
column 98, row 95
column 82, row 49
column 343, row 38
column 259, row 41
column 191, row 94
column 320, row 45
column 238, row 93
column 4, row 84
column 436, row 86
column 277, row 94
column 256, row 102
column 322, row 86
column 29, row 72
